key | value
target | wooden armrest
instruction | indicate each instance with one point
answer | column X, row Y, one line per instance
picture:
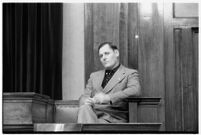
column 150, row 100
column 133, row 103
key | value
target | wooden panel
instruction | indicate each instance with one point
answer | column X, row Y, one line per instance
column 178, row 94
column 185, row 10
column 17, row 113
column 177, row 31
column 123, row 33
column 186, row 91
column 148, row 113
column 187, row 78
column 151, row 64
column 26, row 108
column 133, row 35
column 88, row 40
column 132, row 111
column 144, row 109
column 105, row 27
column 195, row 78
column 102, row 24
column 169, row 69
column 151, row 54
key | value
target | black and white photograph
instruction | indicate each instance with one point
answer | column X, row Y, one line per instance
column 100, row 67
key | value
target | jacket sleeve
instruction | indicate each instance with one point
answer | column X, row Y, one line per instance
column 132, row 88
column 87, row 91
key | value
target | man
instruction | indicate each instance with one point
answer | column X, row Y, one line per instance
column 103, row 98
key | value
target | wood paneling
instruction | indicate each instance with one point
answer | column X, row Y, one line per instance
column 151, row 63
column 185, row 88
column 151, row 55
column 26, row 108
column 144, row 109
column 88, row 40
column 123, row 33
column 181, row 72
column 169, row 69
column 185, row 10
column 133, row 35
column 148, row 113
column 139, row 37
column 101, row 25
column 106, row 27
column 147, row 34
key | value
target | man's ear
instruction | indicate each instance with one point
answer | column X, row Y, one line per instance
column 116, row 52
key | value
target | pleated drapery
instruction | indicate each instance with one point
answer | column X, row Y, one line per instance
column 32, row 48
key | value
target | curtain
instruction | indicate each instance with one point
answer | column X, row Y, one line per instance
column 32, row 48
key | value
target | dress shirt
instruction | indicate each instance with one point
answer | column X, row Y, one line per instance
column 108, row 75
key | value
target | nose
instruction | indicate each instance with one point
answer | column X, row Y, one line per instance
column 104, row 58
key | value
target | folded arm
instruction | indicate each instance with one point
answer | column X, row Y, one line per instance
column 132, row 89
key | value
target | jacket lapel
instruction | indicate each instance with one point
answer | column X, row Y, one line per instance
column 117, row 77
column 99, row 79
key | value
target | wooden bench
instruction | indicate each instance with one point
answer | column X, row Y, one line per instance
column 41, row 111
column 136, row 105
column 135, row 102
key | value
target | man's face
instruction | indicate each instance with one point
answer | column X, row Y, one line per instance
column 108, row 57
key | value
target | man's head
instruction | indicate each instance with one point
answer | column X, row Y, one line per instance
column 109, row 55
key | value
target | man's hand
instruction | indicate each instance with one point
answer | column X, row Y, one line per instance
column 89, row 101
column 101, row 98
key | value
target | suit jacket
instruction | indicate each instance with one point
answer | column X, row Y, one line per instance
column 124, row 83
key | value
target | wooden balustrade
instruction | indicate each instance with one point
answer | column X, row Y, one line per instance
column 31, row 112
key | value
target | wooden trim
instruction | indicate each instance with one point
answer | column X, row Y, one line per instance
column 18, row 128
column 26, row 96
column 132, row 108
column 66, row 102
column 98, row 128
column 154, row 100
column 151, row 100
column 121, row 128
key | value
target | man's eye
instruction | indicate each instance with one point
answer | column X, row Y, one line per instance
column 107, row 53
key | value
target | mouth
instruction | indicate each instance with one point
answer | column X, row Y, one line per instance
column 105, row 62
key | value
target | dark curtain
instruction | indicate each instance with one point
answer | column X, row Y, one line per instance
column 32, row 48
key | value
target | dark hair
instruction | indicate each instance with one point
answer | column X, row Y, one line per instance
column 113, row 47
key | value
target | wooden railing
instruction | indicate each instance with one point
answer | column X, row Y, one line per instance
column 135, row 102
column 41, row 117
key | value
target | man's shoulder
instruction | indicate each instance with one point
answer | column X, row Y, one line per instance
column 96, row 73
column 129, row 70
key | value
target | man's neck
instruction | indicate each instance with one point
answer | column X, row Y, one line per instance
column 116, row 66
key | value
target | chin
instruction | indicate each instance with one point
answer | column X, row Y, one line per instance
column 107, row 67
